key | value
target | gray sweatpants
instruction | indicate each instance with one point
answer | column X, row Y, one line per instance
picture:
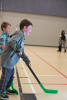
column 6, row 79
column 63, row 43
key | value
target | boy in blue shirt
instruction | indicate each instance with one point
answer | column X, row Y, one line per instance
column 13, row 51
column 4, row 37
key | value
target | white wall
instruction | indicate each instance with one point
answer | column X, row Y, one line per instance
column 45, row 28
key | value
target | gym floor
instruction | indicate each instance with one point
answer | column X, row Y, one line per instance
column 50, row 67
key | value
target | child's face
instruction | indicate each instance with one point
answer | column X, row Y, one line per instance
column 28, row 30
column 7, row 29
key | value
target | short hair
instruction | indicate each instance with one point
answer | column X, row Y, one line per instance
column 4, row 25
column 24, row 22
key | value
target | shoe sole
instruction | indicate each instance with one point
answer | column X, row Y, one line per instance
column 10, row 93
column 1, row 98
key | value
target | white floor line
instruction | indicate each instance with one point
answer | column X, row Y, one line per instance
column 33, row 90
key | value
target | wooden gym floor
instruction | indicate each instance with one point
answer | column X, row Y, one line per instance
column 51, row 68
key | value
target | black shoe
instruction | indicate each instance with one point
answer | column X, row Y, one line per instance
column 10, row 92
column 59, row 50
column 3, row 96
column 65, row 50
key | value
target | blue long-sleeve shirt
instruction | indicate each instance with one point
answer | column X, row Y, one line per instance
column 9, row 56
column 4, row 37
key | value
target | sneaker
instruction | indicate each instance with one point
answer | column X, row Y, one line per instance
column 65, row 50
column 10, row 92
column 3, row 96
column 58, row 50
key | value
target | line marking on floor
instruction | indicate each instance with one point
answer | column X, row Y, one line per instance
column 19, row 85
column 46, row 83
column 33, row 90
column 48, row 63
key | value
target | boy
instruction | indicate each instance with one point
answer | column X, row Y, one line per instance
column 13, row 51
column 4, row 37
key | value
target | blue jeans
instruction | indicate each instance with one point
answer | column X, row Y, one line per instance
column 6, row 79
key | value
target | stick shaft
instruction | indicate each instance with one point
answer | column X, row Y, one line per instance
column 33, row 74
column 41, row 85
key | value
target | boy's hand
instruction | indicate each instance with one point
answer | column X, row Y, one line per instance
column 26, row 59
column 29, row 62
column 20, row 54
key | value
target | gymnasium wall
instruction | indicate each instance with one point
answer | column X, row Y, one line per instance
column 50, row 7
column 45, row 28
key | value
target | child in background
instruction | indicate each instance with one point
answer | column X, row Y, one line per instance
column 59, row 47
column 4, row 37
column 62, row 41
column 13, row 51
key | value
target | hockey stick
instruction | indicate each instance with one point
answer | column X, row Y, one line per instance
column 41, row 85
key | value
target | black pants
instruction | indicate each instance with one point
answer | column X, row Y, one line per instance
column 59, row 48
column 6, row 79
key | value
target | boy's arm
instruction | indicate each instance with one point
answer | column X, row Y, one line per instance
column 13, row 34
column 25, row 59
column 15, row 46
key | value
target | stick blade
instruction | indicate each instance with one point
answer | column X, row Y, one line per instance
column 15, row 91
column 48, row 90
column 51, row 91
